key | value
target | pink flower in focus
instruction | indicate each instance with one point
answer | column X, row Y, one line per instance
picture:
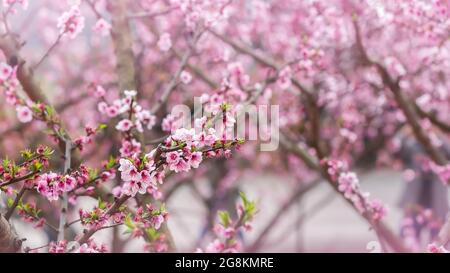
column 195, row 159
column 172, row 157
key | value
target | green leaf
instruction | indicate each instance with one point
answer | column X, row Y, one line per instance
column 101, row 204
column 128, row 222
column 50, row 110
column 111, row 162
column 249, row 207
column 152, row 233
column 37, row 166
column 225, row 106
column 101, row 126
column 10, row 202
column 35, row 108
column 225, row 219
column 93, row 173
column 48, row 152
column 26, row 154
column 6, row 163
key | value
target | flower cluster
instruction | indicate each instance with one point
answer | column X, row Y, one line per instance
column 52, row 185
column 148, row 217
column 138, row 179
column 128, row 105
column 348, row 184
column 443, row 172
column 226, row 229
column 91, row 247
column 433, row 248
column 57, row 247
column 64, row 247
column 71, row 22
column 180, row 152
column 81, row 141
column 30, row 213
column 33, row 163
column 418, row 216
column 98, row 216
column 9, row 83
column 10, row 3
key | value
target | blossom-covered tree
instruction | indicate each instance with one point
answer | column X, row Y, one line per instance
column 87, row 90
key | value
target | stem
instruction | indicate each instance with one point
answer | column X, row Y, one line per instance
column 49, row 50
column 88, row 233
column 18, row 179
column 16, row 202
column 64, row 199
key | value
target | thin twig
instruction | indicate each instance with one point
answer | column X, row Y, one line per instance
column 47, row 53
column 16, row 202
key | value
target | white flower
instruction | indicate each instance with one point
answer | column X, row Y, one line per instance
column 130, row 93
column 185, row 77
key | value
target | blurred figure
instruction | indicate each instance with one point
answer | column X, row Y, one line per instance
column 424, row 200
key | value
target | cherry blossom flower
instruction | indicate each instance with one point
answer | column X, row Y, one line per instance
column 348, row 183
column 71, row 22
column 185, row 77
column 124, row 125
column 5, row 71
column 24, row 114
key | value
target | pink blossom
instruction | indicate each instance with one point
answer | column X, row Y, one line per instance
column 433, row 248
column 379, row 211
column 157, row 221
column 180, row 166
column 185, row 77
column 347, row 183
column 9, row 3
column 99, row 91
column 164, row 42
column 24, row 114
column 124, row 125
column 5, row 71
column 71, row 22
column 172, row 157
column 102, row 27
column 57, row 247
column 284, row 79
column 216, row 246
column 195, row 159
column 112, row 111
